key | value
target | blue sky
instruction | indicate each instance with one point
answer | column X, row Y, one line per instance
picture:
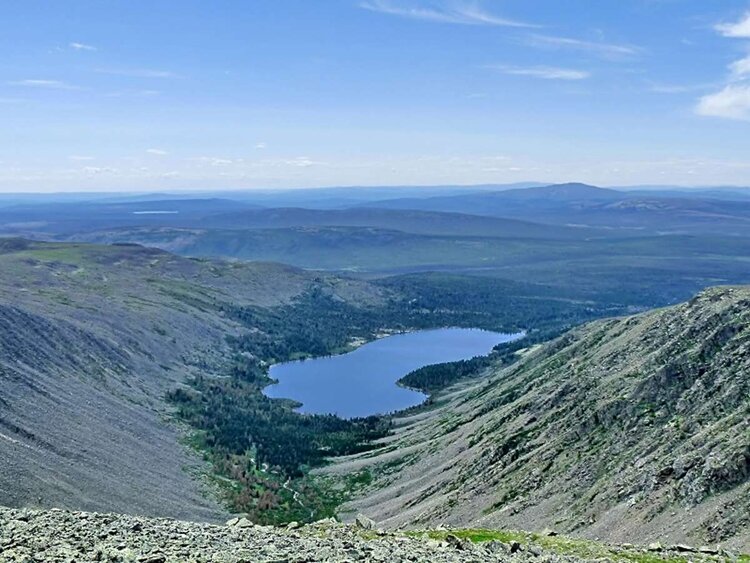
column 136, row 95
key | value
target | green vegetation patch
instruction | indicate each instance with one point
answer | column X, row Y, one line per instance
column 564, row 545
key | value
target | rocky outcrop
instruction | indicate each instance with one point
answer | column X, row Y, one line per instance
column 57, row 536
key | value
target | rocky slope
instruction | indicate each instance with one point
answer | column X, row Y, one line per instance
column 632, row 429
column 90, row 339
column 59, row 536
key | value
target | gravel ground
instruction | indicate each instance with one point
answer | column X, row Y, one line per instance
column 62, row 536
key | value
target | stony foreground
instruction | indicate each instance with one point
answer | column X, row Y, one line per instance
column 61, row 536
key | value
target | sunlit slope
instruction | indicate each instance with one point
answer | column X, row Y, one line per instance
column 632, row 429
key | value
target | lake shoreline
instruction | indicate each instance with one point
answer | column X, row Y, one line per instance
column 363, row 379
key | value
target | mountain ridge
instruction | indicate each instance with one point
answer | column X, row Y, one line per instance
column 628, row 429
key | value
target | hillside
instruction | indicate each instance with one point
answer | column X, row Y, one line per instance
column 632, row 429
column 47, row 217
column 91, row 339
column 66, row 219
column 404, row 220
column 648, row 270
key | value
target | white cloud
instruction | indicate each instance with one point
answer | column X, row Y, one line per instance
column 96, row 170
column 301, row 162
column 458, row 13
column 740, row 69
column 80, row 158
column 739, row 28
column 607, row 50
column 81, row 47
column 215, row 161
column 261, row 145
column 39, row 83
column 544, row 72
column 732, row 102
column 157, row 152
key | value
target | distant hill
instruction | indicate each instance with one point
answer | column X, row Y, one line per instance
column 68, row 217
column 494, row 202
column 583, row 205
column 648, row 270
column 216, row 213
column 625, row 429
column 566, row 193
column 407, row 221
column 562, row 211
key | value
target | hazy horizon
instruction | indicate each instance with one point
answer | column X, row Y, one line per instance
column 108, row 97
column 208, row 191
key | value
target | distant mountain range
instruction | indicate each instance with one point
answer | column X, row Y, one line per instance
column 583, row 205
column 456, row 212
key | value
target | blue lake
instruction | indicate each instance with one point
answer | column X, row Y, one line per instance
column 363, row 382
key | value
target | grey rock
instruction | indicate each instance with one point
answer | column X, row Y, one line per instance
column 63, row 537
column 364, row 522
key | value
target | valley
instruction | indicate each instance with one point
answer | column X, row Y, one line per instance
column 170, row 347
column 151, row 335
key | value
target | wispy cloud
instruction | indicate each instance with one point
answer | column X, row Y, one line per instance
column 544, row 72
column 80, row 158
column 740, row 28
column 157, row 152
column 607, row 50
column 659, row 88
column 740, row 69
column 40, row 83
column 302, row 162
column 138, row 72
column 733, row 101
column 461, row 13
column 215, row 161
column 260, row 145
column 81, row 47
column 97, row 170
